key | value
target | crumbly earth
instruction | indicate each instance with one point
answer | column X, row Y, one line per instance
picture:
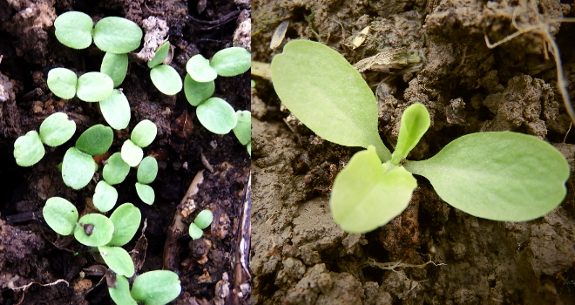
column 299, row 256
column 38, row 267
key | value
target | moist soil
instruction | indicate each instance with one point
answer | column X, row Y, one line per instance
column 300, row 256
column 37, row 266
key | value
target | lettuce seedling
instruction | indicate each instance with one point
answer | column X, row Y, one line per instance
column 89, row 87
column 54, row 131
column 164, row 76
column 504, row 176
column 202, row 221
column 156, row 287
column 147, row 171
column 143, row 135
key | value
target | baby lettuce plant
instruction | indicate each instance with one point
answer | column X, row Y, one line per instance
column 163, row 76
column 202, row 221
column 504, row 176
column 55, row 130
column 214, row 113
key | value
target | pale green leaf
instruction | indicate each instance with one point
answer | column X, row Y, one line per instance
column 117, row 35
column 166, row 79
column 126, row 219
column 231, row 61
column 131, row 153
column 118, row 260
column 146, row 193
column 121, row 293
column 144, row 133
column 28, row 149
column 160, row 56
column 216, row 115
column 503, row 176
column 62, row 82
column 95, row 140
column 414, row 123
column 116, row 110
column 197, row 92
column 146, row 289
column 61, row 215
column 116, row 170
column 194, row 231
column 200, row 70
column 94, row 86
column 204, row 219
column 57, row 129
column 243, row 129
column 327, row 94
column 115, row 66
column 77, row 168
column 105, row 197
column 74, row 29
column 366, row 194
column 99, row 235
column 147, row 170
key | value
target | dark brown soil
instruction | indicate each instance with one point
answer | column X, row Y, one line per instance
column 300, row 256
column 30, row 252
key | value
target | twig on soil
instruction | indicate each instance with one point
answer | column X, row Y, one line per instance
column 25, row 287
column 541, row 28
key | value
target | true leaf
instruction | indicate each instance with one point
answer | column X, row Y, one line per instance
column 200, row 70
column 116, row 110
column 61, row 215
column 146, row 193
column 414, row 124
column 100, row 230
column 231, row 61
column 116, row 170
column 115, row 66
column 146, row 289
column 105, row 197
column 77, row 168
column 503, row 176
column 62, row 82
column 147, row 170
column 310, row 77
column 166, row 79
column 28, row 149
column 144, row 133
column 126, row 219
column 367, row 194
column 118, row 260
column 216, row 115
column 160, row 56
column 96, row 140
column 74, row 29
column 197, row 92
column 117, row 35
column 57, row 129
column 94, row 86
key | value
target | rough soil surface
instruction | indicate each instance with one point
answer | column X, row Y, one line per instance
column 300, row 256
column 30, row 252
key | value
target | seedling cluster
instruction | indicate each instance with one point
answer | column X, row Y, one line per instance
column 503, row 176
column 202, row 221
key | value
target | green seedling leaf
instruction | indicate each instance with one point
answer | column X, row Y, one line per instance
column 74, row 30
column 243, row 129
column 116, row 170
column 310, row 77
column 94, row 87
column 503, row 176
column 131, row 153
column 57, row 129
column 94, row 230
column 160, row 56
column 195, row 232
column 96, row 140
column 249, row 148
column 231, row 61
column 117, row 35
column 144, row 133
column 77, row 168
column 105, row 197
column 61, row 215
column 115, row 66
column 62, row 82
column 116, row 110
column 118, row 260
column 414, row 123
column 146, row 193
column 146, row 289
column 147, row 170
column 198, row 67
column 367, row 194
column 197, row 92
column 121, row 293
column 216, row 115
column 166, row 79
column 204, row 219
column 28, row 149
column 126, row 219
